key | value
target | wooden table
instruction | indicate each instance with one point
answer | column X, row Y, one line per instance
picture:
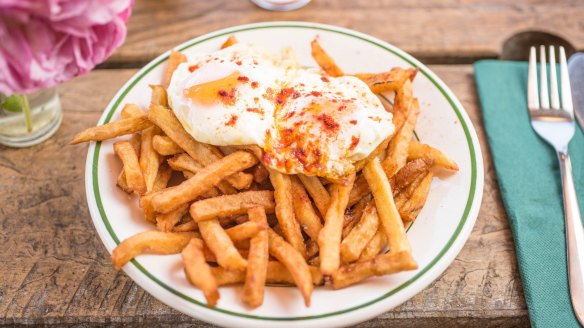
column 55, row 270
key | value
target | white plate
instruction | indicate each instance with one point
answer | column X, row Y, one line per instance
column 436, row 237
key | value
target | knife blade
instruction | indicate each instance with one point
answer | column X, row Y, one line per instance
column 576, row 72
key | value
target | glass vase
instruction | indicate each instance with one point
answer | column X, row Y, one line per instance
column 21, row 127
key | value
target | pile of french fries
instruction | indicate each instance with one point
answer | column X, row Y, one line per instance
column 235, row 221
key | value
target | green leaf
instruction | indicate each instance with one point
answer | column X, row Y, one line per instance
column 13, row 103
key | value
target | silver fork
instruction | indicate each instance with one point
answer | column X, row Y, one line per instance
column 554, row 123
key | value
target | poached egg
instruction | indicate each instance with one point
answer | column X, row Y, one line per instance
column 306, row 122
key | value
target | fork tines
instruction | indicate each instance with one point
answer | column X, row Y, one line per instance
column 543, row 105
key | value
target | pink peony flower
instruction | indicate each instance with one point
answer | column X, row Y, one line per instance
column 46, row 42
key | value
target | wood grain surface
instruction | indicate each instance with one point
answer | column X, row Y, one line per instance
column 56, row 272
column 435, row 31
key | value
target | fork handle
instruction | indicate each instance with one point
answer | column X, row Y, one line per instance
column 574, row 237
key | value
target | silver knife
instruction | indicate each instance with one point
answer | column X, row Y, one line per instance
column 576, row 69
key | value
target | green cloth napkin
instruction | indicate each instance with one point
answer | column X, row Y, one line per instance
column 529, row 178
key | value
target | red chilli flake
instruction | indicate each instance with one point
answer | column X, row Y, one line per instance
column 254, row 84
column 316, row 93
column 232, row 121
column 227, row 97
column 283, row 95
column 354, row 122
column 324, row 79
column 329, row 123
column 238, row 62
column 193, row 68
column 354, row 142
column 255, row 110
column 243, row 79
column 341, row 108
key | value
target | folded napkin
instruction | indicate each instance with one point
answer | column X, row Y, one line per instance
column 529, row 178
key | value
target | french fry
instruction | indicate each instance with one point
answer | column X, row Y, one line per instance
column 417, row 150
column 260, row 174
column 174, row 59
column 187, row 226
column 255, row 278
column 378, row 266
column 166, row 222
column 357, row 240
column 355, row 215
column 403, row 101
column 398, row 147
column 198, row 272
column 326, row 63
column 231, row 40
column 386, row 81
column 165, row 119
column 360, row 190
column 408, row 174
column 147, row 209
column 221, row 245
column 329, row 239
column 285, row 210
column 134, row 177
column 245, row 231
column 412, row 207
column 317, row 192
column 386, row 209
column 149, row 159
column 121, row 182
column 150, row 242
column 162, row 177
column 184, row 162
column 165, row 146
column 231, row 205
column 276, row 274
column 159, row 96
column 294, row 261
column 132, row 110
column 112, row 130
column 305, row 214
column 375, row 245
column 167, row 200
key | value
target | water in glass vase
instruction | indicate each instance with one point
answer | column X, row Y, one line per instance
column 45, row 119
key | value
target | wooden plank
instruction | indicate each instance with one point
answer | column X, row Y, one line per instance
column 434, row 31
column 56, row 272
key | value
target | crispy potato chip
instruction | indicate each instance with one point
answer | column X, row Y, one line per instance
column 378, row 266
column 134, row 176
column 317, row 192
column 231, row 205
column 221, row 245
column 150, row 242
column 285, row 210
column 165, row 119
column 326, row 63
column 112, row 130
column 385, row 81
column 257, row 259
column 417, row 150
column 165, row 146
column 386, row 209
column 329, row 239
column 198, row 272
column 294, row 262
column 305, row 214
column 357, row 240
column 166, row 200
column 231, row 40
column 174, row 59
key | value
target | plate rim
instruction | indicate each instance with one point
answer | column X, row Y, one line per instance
column 425, row 275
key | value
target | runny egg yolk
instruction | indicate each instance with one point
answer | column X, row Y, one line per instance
column 208, row 93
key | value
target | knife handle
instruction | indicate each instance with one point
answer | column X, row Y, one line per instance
column 574, row 237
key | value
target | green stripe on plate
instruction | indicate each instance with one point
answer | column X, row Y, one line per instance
column 423, row 271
